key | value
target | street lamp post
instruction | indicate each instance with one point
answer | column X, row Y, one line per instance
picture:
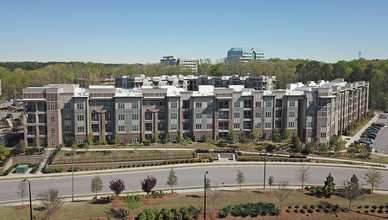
column 29, row 191
column 265, row 167
column 72, row 180
column 204, row 201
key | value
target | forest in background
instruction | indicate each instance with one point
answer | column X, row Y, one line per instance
column 17, row 75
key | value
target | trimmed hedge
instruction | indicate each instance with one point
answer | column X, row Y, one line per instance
column 255, row 209
column 53, row 170
column 54, row 154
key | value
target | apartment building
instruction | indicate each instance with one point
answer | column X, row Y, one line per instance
column 314, row 111
column 244, row 54
column 184, row 61
column 192, row 82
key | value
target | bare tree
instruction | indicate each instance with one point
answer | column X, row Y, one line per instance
column 373, row 178
column 22, row 190
column 303, row 174
column 50, row 201
column 215, row 196
column 282, row 192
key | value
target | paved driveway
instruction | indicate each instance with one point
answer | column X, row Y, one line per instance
column 381, row 142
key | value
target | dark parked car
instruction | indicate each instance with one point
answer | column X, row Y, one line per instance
column 9, row 116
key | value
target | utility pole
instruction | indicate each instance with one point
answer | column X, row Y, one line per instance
column 72, row 180
column 204, row 201
column 29, row 191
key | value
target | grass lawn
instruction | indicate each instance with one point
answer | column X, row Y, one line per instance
column 86, row 210
column 65, row 157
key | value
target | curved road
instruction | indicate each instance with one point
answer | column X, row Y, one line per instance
column 187, row 177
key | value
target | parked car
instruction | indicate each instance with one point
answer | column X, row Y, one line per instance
column 9, row 116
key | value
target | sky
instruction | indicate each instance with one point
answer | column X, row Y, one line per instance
column 131, row 31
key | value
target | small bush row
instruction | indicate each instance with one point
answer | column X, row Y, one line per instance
column 34, row 166
column 176, row 214
column 54, row 154
column 272, row 159
column 250, row 209
column 53, row 170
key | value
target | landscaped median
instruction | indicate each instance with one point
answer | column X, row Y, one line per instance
column 105, row 159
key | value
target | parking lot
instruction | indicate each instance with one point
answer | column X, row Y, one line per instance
column 380, row 144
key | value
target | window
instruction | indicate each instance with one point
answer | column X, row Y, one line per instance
column 52, row 130
column 268, row 104
column 186, row 115
column 323, row 134
column 67, row 117
column 80, row 105
column 210, row 115
column 278, row 113
column 257, row 125
column 174, row 126
column 121, row 127
column 52, row 142
column 236, row 125
column 224, row 115
column 209, row 126
column 258, row 104
column 120, row 105
column 210, row 104
column 268, row 125
column 198, row 115
column 121, row 117
column 198, row 137
column 309, row 124
column 198, row 104
column 291, row 114
column 311, row 103
column 135, row 116
column 148, row 126
column 173, row 105
column 237, row 114
column 67, row 128
column 278, row 103
column 67, row 105
column 236, row 104
column 173, row 137
column 135, row 105
column 186, row 125
column 174, row 116
column 135, row 139
column 52, row 107
column 135, row 127
column 81, row 140
column 268, row 114
column 291, row 124
column 81, row 129
column 52, row 118
column 323, row 124
column 292, row 103
column 324, row 114
column 108, row 116
column 198, row 126
column 258, row 115
column 186, row 104
column 310, row 134
column 108, row 127
column 121, row 139
column 80, row 117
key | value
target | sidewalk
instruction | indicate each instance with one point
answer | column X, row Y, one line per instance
column 358, row 134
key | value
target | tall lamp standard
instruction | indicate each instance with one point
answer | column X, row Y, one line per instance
column 204, row 201
column 265, row 167
column 29, row 191
column 72, row 180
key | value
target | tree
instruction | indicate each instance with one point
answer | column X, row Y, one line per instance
column 155, row 137
column 240, row 178
column 373, row 177
column 89, row 139
column 96, row 185
column 231, row 137
column 351, row 190
column 271, row 181
column 256, row 134
column 303, row 174
column 276, row 137
column 172, row 179
column 329, row 187
column 215, row 196
column 308, row 149
column 22, row 190
column 286, row 133
column 117, row 185
column 50, row 201
column 296, row 144
column 132, row 202
column 282, row 192
column 148, row 183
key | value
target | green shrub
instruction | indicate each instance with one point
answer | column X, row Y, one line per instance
column 54, row 154
column 310, row 210
column 312, row 206
column 367, row 206
column 76, row 168
column 359, row 207
column 381, row 207
column 326, row 210
column 320, row 206
column 296, row 210
column 374, row 206
column 373, row 210
column 302, row 211
column 317, row 210
column 297, row 206
column 255, row 209
column 288, row 211
column 225, row 211
column 366, row 211
column 305, row 207
column 380, row 211
column 53, row 170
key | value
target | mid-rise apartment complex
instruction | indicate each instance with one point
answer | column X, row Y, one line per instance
column 184, row 61
column 56, row 114
column 245, row 54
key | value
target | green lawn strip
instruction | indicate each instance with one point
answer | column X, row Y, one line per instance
column 84, row 209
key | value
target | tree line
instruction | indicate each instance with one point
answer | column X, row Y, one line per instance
column 17, row 75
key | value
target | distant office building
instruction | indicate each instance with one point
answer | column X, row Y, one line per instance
column 184, row 61
column 63, row 113
column 245, row 54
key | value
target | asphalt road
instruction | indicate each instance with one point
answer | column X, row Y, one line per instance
column 380, row 144
column 187, row 177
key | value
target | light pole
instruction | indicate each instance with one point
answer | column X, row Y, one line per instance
column 204, row 201
column 265, row 167
column 29, row 190
column 72, row 180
